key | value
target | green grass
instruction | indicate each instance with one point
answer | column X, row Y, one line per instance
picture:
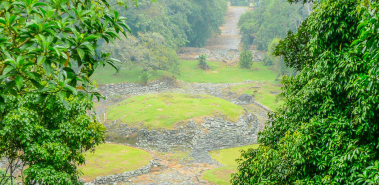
column 226, row 157
column 222, row 73
column 262, row 94
column 164, row 110
column 109, row 159
column 107, row 75
column 219, row 73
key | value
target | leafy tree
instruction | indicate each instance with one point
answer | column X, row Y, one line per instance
column 150, row 51
column 203, row 62
column 185, row 22
column 47, row 56
column 271, row 19
column 246, row 59
column 205, row 19
column 268, row 58
column 327, row 132
column 277, row 62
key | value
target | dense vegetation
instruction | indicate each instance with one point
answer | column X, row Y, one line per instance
column 162, row 28
column 269, row 22
column 327, row 131
column 271, row 19
column 47, row 54
column 185, row 22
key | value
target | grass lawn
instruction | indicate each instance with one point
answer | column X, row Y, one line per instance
column 107, row 75
column 109, row 159
column 164, row 110
column 219, row 73
column 222, row 73
column 227, row 158
column 266, row 94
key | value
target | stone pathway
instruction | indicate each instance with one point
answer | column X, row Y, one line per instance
column 224, row 47
column 230, row 37
column 177, row 172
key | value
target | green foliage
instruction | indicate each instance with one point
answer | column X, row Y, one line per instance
column 47, row 135
column 240, row 2
column 246, row 59
column 47, row 56
column 203, row 62
column 145, row 76
column 327, row 131
column 268, row 58
column 184, row 22
column 149, row 51
column 271, row 19
column 5, row 178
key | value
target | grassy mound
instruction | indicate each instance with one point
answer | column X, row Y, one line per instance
column 164, row 110
column 266, row 94
column 226, row 157
column 219, row 73
column 109, row 159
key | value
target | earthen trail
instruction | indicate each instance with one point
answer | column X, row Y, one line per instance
column 223, row 47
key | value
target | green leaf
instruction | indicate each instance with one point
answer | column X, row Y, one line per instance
column 7, row 70
column 81, row 53
column 71, row 89
column 19, row 81
column 91, row 37
column 41, row 59
column 36, row 84
column 47, row 67
column 40, row 98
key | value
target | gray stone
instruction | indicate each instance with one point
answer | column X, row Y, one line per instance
column 245, row 99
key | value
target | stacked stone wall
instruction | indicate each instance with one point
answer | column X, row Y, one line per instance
column 213, row 134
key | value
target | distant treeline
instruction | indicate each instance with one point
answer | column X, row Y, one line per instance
column 267, row 23
column 271, row 19
column 184, row 22
column 161, row 28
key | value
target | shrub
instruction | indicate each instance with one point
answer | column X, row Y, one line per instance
column 145, row 76
column 203, row 62
column 246, row 59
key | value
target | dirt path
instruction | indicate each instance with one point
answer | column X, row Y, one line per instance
column 230, row 37
column 222, row 47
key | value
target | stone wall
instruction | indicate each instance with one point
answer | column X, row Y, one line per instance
column 123, row 177
column 134, row 88
column 213, row 134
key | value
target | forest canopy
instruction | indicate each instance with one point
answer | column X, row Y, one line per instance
column 271, row 19
column 161, row 28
